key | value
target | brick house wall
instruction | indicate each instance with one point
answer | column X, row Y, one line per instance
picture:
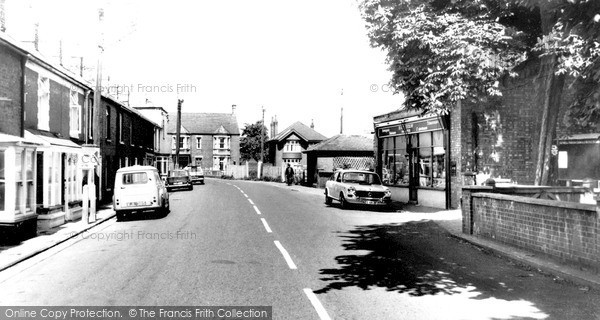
column 10, row 92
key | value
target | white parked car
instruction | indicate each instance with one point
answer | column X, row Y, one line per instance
column 139, row 188
column 357, row 187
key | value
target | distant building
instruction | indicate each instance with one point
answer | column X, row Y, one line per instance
column 287, row 146
column 208, row 140
column 339, row 151
column 162, row 141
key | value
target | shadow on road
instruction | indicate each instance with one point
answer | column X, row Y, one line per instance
column 389, row 263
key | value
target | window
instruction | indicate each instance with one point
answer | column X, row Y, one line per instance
column 198, row 160
column 221, row 142
column 52, row 173
column 427, row 152
column 29, row 201
column 18, row 180
column 184, row 143
column 395, row 159
column 135, row 178
column 292, row 146
column 75, row 114
column 120, row 127
column 198, row 142
column 107, row 123
column 43, row 103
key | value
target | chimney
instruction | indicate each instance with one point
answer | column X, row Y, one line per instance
column 36, row 36
column 2, row 17
column 275, row 127
column 312, row 124
column 271, row 127
column 233, row 106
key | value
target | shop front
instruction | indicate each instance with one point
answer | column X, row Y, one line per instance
column 17, row 186
column 412, row 158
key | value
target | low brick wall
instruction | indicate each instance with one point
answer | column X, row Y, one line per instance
column 564, row 230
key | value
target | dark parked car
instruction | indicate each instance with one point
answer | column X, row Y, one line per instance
column 179, row 179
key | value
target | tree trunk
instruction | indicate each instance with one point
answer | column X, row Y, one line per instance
column 550, row 93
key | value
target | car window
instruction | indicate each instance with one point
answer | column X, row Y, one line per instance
column 361, row 178
column 339, row 177
column 135, row 178
column 178, row 174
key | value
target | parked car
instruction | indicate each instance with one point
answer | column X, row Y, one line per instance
column 196, row 173
column 179, row 179
column 357, row 187
column 139, row 188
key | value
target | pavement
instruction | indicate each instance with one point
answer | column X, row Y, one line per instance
column 450, row 220
column 11, row 255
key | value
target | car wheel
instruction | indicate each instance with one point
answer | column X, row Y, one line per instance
column 343, row 203
column 166, row 207
column 120, row 215
column 327, row 198
column 191, row 187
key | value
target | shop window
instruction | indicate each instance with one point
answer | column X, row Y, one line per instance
column 2, row 180
column 18, row 180
column 395, row 161
column 29, row 202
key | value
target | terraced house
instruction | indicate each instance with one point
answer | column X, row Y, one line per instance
column 46, row 141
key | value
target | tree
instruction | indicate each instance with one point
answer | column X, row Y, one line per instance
column 250, row 142
column 445, row 51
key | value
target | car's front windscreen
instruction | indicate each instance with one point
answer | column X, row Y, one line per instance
column 135, row 178
column 361, row 178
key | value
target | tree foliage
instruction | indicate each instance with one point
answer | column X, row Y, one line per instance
column 250, row 142
column 443, row 51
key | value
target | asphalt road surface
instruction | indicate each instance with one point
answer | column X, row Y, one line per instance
column 260, row 244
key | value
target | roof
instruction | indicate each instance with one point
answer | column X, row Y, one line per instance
column 301, row 130
column 36, row 56
column 205, row 123
column 137, row 168
column 342, row 142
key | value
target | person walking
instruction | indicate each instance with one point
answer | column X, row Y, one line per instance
column 289, row 175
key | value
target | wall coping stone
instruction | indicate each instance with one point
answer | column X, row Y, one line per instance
column 541, row 202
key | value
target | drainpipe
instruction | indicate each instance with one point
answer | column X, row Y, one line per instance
column 86, row 131
column 23, row 93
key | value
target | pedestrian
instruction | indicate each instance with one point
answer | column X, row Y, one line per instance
column 289, row 175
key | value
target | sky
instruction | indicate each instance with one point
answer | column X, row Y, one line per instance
column 299, row 60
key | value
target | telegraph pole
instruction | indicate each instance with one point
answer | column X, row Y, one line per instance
column 262, row 137
column 342, row 115
column 178, row 133
column 96, row 132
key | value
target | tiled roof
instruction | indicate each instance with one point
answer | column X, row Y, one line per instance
column 205, row 123
column 342, row 142
column 302, row 131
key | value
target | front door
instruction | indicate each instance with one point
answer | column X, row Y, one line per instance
column 413, row 184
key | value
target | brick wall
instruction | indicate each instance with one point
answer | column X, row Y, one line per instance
column 10, row 92
column 564, row 230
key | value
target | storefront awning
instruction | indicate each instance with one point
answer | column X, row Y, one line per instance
column 6, row 139
column 50, row 141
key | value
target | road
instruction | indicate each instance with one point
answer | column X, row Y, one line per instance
column 252, row 243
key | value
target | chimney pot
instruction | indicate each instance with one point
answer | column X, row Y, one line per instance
column 233, row 107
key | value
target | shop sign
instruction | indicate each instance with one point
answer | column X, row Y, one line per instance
column 88, row 161
column 430, row 124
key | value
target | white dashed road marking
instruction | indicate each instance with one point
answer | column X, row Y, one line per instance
column 250, row 200
column 286, row 255
column 256, row 209
column 266, row 225
column 317, row 304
